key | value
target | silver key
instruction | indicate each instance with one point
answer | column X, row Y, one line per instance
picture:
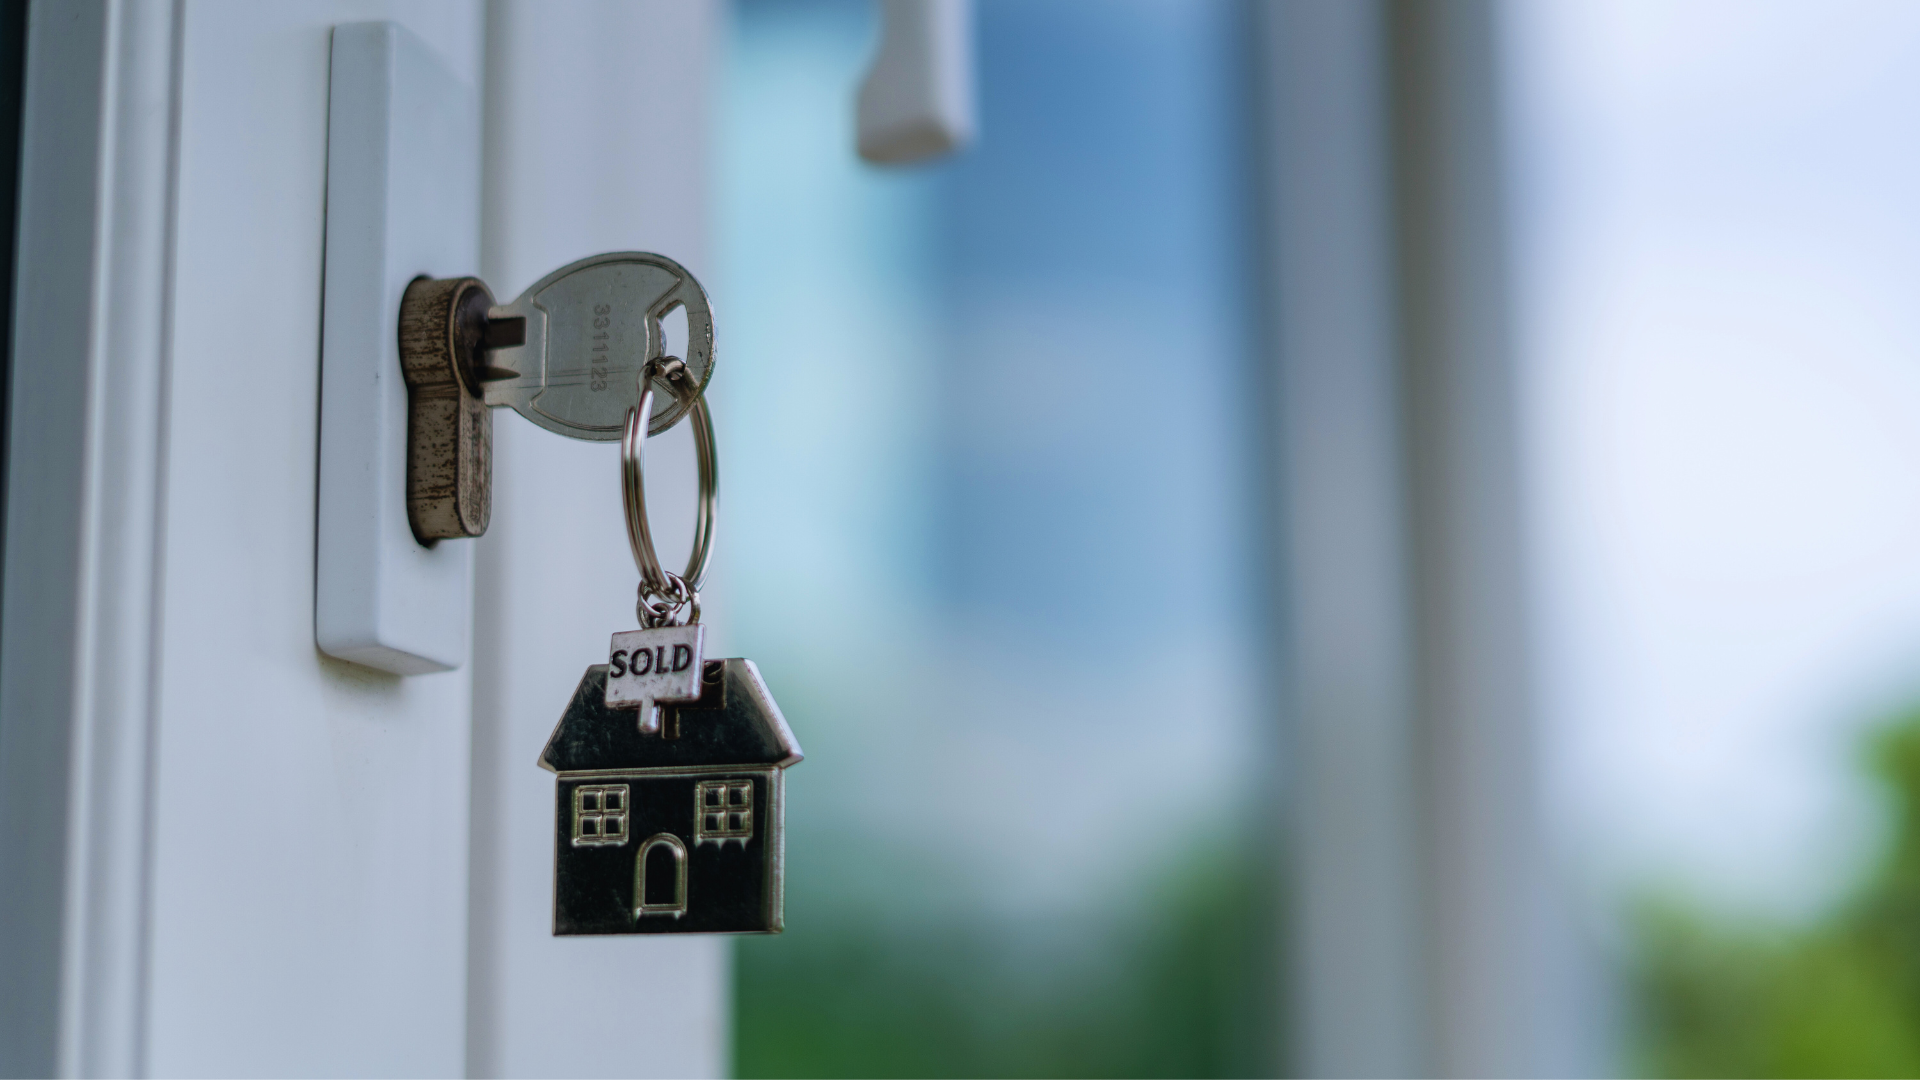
column 590, row 328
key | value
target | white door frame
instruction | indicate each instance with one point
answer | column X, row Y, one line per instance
column 77, row 644
column 128, row 947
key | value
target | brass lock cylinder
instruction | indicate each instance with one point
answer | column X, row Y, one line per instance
column 444, row 338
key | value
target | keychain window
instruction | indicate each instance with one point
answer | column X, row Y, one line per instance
column 600, row 815
column 723, row 811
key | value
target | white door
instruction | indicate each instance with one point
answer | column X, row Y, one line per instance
column 225, row 852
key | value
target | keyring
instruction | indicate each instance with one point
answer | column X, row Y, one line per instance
column 678, row 589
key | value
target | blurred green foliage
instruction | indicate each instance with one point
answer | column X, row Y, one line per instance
column 1176, row 990
column 1837, row 997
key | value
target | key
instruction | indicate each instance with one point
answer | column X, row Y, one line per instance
column 672, row 823
column 569, row 352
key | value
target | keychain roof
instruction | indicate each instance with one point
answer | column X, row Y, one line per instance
column 734, row 722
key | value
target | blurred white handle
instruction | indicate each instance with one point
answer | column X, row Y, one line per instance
column 917, row 100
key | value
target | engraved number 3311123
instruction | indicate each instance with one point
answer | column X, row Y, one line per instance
column 598, row 379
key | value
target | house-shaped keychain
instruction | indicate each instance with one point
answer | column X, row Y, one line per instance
column 673, row 832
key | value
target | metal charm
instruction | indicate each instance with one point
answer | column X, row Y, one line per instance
column 672, row 824
column 651, row 666
column 679, row 832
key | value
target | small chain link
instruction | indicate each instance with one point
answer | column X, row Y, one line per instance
column 664, row 608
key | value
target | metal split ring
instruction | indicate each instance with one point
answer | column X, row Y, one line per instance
column 662, row 593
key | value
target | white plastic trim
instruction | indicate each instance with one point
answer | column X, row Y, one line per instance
column 85, row 508
column 403, row 200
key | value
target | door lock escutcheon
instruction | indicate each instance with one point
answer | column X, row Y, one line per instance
column 569, row 354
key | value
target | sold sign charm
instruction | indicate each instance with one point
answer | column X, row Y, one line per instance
column 647, row 667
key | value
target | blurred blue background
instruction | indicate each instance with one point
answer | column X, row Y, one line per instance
column 989, row 463
column 996, row 510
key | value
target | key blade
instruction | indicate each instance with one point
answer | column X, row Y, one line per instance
column 512, row 374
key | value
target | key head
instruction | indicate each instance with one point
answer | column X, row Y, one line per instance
column 591, row 328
